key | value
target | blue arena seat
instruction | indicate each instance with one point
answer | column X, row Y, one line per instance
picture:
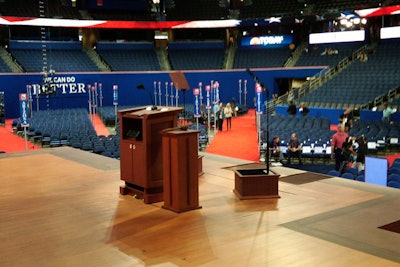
column 395, row 184
column 347, row 175
column 334, row 173
column 394, row 177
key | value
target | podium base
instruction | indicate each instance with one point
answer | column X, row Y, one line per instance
column 180, row 210
column 149, row 195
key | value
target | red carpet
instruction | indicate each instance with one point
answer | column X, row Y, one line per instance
column 11, row 142
column 391, row 158
column 99, row 126
column 239, row 142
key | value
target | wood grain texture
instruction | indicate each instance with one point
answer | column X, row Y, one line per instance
column 62, row 207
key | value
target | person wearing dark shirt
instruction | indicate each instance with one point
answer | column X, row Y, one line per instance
column 294, row 149
column 275, row 149
column 220, row 116
column 303, row 109
column 361, row 152
column 347, row 155
column 346, row 118
column 292, row 109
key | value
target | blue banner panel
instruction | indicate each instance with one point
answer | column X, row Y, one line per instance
column 115, row 95
column 24, row 109
column 196, row 95
column 268, row 41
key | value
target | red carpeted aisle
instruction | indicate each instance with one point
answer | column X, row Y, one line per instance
column 98, row 125
column 11, row 142
column 240, row 142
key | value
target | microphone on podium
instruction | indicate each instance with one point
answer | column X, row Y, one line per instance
column 141, row 87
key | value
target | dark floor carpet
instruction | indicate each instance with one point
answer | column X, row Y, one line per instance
column 318, row 168
column 393, row 227
column 303, row 178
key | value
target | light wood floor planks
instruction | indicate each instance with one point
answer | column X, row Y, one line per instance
column 62, row 207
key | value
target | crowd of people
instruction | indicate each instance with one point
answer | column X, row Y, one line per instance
column 220, row 113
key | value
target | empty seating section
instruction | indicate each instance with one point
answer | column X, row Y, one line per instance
column 380, row 134
column 393, row 174
column 139, row 56
column 30, row 8
column 394, row 103
column 61, row 61
column 323, row 6
column 4, row 67
column 108, row 114
column 62, row 56
column 70, row 127
column 196, row 10
column 196, row 55
column 317, row 55
column 260, row 58
column 128, row 15
column 270, row 8
column 362, row 81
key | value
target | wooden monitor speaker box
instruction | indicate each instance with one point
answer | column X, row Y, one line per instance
column 141, row 150
column 180, row 159
column 255, row 183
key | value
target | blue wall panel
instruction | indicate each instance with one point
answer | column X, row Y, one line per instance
column 330, row 113
column 72, row 88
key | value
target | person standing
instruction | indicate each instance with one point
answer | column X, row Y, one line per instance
column 215, row 109
column 228, row 116
column 294, row 149
column 361, row 152
column 203, row 115
column 292, row 109
column 337, row 145
column 346, row 118
column 220, row 116
column 234, row 107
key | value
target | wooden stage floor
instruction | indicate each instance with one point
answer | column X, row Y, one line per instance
column 62, row 207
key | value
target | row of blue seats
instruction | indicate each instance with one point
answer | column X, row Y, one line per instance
column 71, row 127
column 393, row 175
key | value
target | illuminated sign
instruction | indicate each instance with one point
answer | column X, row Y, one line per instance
column 268, row 41
column 390, row 32
column 337, row 37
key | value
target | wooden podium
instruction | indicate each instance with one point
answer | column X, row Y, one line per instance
column 180, row 159
column 141, row 153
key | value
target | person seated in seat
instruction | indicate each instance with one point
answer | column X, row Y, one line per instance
column 294, row 149
column 275, row 149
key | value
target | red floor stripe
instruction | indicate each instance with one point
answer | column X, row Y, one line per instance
column 11, row 142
